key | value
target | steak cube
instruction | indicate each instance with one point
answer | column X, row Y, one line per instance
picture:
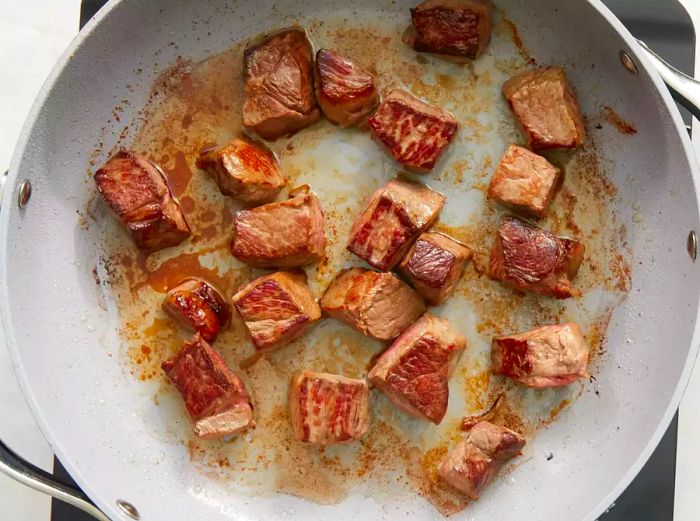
column 415, row 133
column 378, row 305
column 287, row 234
column 544, row 103
column 451, row 27
column 244, row 171
column 215, row 398
column 394, row 217
column 528, row 258
column 276, row 308
column 327, row 408
column 279, row 85
column 137, row 192
column 434, row 265
column 197, row 305
column 548, row 356
column 524, row 181
column 473, row 463
column 414, row 371
column 345, row 91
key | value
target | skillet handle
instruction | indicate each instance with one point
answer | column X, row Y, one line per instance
column 684, row 89
column 27, row 474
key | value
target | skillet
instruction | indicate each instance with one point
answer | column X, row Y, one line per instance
column 87, row 404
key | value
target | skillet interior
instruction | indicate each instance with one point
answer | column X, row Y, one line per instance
column 67, row 356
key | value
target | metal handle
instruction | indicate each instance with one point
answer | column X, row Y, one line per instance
column 684, row 89
column 32, row 476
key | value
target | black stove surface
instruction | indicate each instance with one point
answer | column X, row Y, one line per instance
column 667, row 28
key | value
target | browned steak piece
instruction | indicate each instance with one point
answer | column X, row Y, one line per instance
column 413, row 132
column 473, row 463
column 378, row 305
column 196, row 304
column 276, row 309
column 547, row 356
column 215, row 398
column 460, row 28
column 528, row 258
column 244, row 170
column 279, row 85
column 287, row 234
column 137, row 192
column 327, row 408
column 346, row 92
column 414, row 371
column 524, row 181
column 544, row 103
column 392, row 219
column 434, row 265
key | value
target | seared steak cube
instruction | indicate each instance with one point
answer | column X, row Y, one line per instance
column 276, row 308
column 434, row 265
column 414, row 371
column 414, row 133
column 548, row 356
column 327, row 408
column 394, row 217
column 197, row 305
column 279, row 85
column 137, row 192
column 452, row 27
column 544, row 103
column 524, row 181
column 345, row 91
column 473, row 463
column 378, row 305
column 244, row 171
column 215, row 398
column 287, row 234
column 528, row 258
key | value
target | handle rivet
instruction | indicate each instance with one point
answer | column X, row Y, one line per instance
column 692, row 245
column 25, row 193
column 128, row 509
column 628, row 63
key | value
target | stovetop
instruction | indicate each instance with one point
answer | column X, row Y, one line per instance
column 667, row 28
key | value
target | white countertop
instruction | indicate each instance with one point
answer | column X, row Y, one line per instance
column 33, row 34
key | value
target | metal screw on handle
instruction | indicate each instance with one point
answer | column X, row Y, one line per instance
column 30, row 475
